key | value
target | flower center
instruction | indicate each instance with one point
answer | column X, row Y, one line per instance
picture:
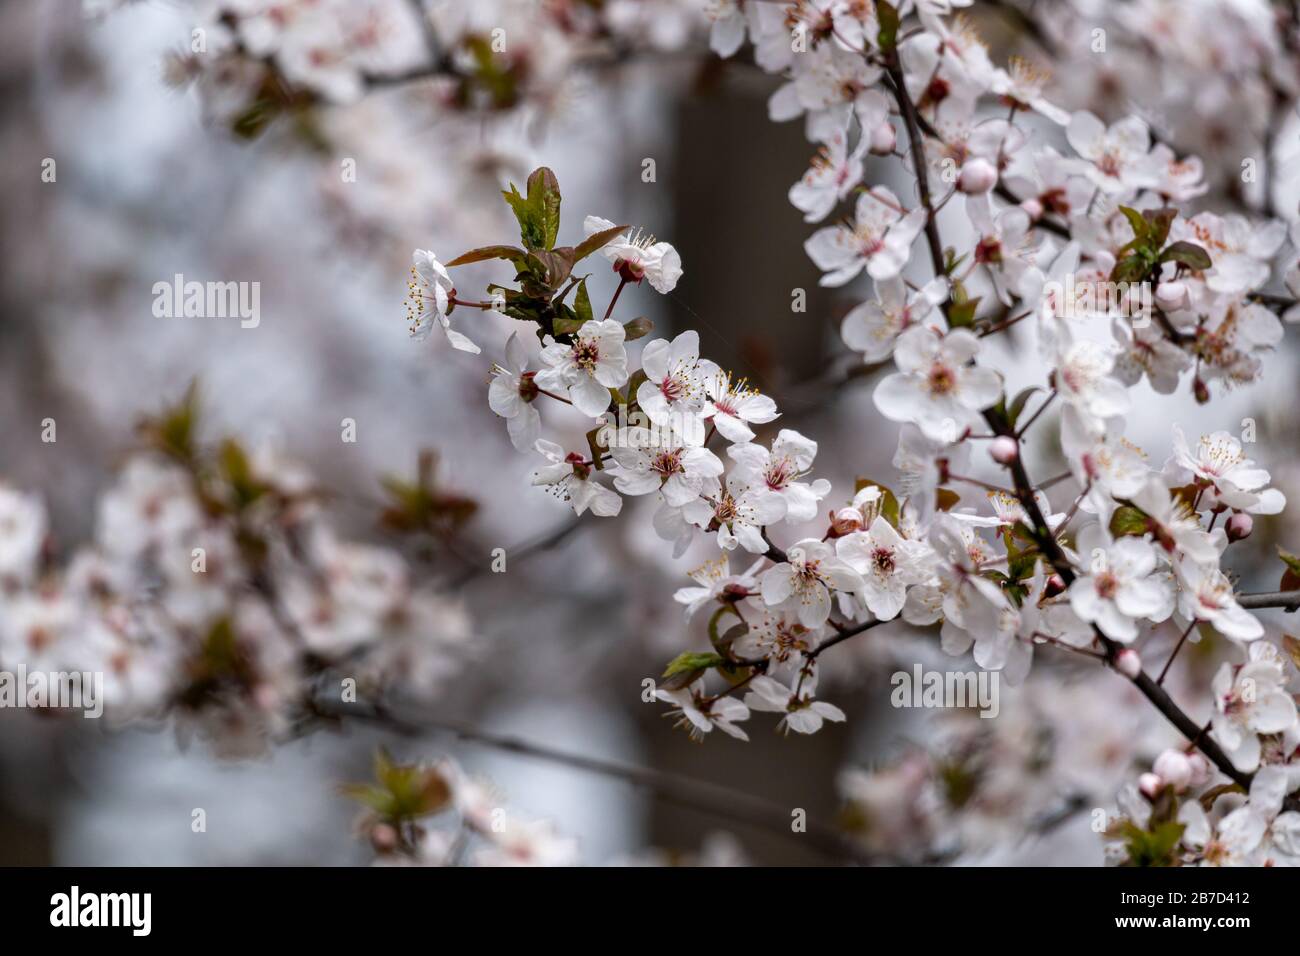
column 942, row 380
column 586, row 353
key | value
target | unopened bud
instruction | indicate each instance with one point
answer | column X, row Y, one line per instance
column 1201, row 391
column 1033, row 208
column 846, row 521
column 1004, row 449
column 1240, row 526
column 1200, row 769
column 883, row 139
column 383, row 837
column 1054, row 586
column 977, row 177
column 1173, row 767
column 1128, row 663
column 1150, row 785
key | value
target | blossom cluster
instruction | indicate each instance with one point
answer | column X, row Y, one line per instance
column 217, row 594
column 1083, row 231
column 1001, row 574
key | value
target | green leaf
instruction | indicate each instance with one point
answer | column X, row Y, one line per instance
column 1131, row 268
column 1128, row 520
column 538, row 213
column 692, row 661
column 238, row 472
column 402, row 791
column 887, row 16
column 1137, row 222
column 1154, row 847
column 557, row 264
column 597, row 240
column 582, row 302
column 1188, row 254
column 1291, row 576
column 174, row 430
column 686, row 668
column 596, row 448
column 544, row 191
column 962, row 314
column 1018, row 404
column 567, row 322
column 636, row 328
column 1159, row 222
column 484, row 253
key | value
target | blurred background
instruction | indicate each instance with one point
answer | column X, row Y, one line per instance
column 148, row 186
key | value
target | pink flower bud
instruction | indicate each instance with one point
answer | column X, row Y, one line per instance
column 1128, row 663
column 1004, row 449
column 1200, row 769
column 383, row 837
column 977, row 176
column 1150, row 785
column 846, row 521
column 1034, row 208
column 1201, row 391
column 1054, row 586
column 1240, row 526
column 883, row 139
column 1173, row 767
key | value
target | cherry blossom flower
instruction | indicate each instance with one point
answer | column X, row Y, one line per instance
column 873, row 327
column 664, row 463
column 430, row 301
column 830, row 84
column 636, row 256
column 1241, row 251
column 1250, row 699
column 803, row 714
column 732, row 406
column 936, row 387
column 1228, row 476
column 832, row 175
column 879, row 239
column 673, row 393
column 1118, row 155
column 588, row 368
column 715, row 580
column 741, row 510
column 511, row 395
column 778, row 470
column 777, row 636
column 570, row 478
column 1206, row 595
column 1005, row 243
column 804, row 581
column 1084, row 379
column 701, row 714
column 887, row 562
column 1118, row 590
column 1022, row 86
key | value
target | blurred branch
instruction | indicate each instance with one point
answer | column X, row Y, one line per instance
column 709, row 798
column 1287, row 600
